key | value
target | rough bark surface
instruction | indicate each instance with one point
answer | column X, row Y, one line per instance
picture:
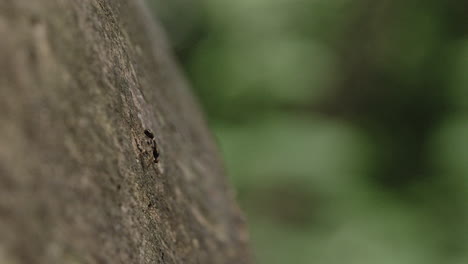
column 80, row 180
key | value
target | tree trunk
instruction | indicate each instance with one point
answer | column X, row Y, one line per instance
column 104, row 155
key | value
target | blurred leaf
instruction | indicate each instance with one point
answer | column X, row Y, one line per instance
column 458, row 78
column 325, row 155
column 449, row 149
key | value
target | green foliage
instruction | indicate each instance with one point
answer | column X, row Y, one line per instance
column 343, row 123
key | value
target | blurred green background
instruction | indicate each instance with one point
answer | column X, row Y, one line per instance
column 344, row 124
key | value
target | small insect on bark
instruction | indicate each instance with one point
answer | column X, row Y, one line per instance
column 149, row 134
column 153, row 144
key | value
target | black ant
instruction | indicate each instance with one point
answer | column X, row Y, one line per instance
column 154, row 146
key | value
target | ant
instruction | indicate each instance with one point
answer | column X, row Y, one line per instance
column 153, row 144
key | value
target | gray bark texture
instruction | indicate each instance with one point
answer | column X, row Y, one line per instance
column 80, row 179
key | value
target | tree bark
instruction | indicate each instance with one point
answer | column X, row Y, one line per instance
column 104, row 155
